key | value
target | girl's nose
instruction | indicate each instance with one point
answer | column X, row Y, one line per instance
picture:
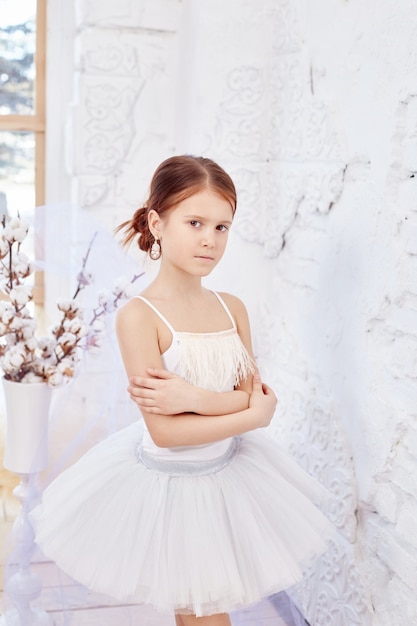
column 208, row 240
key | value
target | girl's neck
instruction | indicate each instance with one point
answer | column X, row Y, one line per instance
column 169, row 285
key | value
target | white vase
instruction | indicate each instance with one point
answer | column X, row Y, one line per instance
column 27, row 415
column 26, row 454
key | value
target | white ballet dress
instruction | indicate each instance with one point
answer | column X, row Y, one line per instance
column 200, row 529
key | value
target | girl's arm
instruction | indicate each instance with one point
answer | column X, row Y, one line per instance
column 189, row 429
column 162, row 392
column 138, row 339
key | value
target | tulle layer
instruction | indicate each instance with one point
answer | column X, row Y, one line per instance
column 197, row 543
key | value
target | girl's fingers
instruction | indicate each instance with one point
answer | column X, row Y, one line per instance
column 159, row 373
column 140, row 392
column 257, row 383
column 141, row 382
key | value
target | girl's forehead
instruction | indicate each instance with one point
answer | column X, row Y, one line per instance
column 207, row 201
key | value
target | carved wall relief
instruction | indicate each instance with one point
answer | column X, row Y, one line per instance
column 126, row 63
column 281, row 145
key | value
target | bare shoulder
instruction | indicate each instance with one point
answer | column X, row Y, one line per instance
column 137, row 334
column 236, row 307
column 135, row 312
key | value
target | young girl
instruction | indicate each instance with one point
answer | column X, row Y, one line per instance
column 195, row 510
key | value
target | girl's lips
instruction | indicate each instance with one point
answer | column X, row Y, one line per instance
column 205, row 258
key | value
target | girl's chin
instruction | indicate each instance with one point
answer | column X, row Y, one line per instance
column 204, row 272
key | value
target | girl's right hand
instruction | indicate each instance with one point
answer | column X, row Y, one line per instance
column 264, row 401
column 161, row 392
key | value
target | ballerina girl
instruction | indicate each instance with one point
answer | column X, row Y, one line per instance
column 195, row 509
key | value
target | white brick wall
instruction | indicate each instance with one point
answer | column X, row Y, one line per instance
column 312, row 106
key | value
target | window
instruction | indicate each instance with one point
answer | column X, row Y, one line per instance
column 22, row 107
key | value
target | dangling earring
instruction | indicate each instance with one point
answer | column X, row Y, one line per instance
column 155, row 252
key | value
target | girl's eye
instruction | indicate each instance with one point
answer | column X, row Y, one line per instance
column 195, row 223
column 222, row 228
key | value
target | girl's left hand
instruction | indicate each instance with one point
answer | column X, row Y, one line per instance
column 162, row 392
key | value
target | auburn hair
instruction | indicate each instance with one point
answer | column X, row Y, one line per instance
column 175, row 180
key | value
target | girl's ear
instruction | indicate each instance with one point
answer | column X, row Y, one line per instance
column 154, row 222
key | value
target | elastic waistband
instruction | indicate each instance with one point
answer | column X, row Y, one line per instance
column 182, row 468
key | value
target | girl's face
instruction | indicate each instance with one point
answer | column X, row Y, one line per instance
column 194, row 233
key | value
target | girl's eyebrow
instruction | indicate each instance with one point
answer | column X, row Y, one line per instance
column 202, row 219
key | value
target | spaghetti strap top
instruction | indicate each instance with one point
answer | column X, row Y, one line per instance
column 158, row 313
column 173, row 331
column 216, row 361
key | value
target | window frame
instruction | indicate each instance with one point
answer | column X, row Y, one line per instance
column 35, row 123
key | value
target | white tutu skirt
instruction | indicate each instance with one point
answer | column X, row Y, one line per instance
column 215, row 539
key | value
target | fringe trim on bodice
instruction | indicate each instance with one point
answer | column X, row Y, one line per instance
column 214, row 361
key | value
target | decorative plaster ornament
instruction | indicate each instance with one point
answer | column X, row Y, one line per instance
column 155, row 252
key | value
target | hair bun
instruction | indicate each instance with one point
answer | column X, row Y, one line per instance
column 140, row 220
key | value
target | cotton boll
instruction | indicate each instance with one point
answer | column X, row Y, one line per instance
column 74, row 326
column 59, row 351
column 70, row 307
column 11, row 339
column 104, row 298
column 15, row 324
column 31, row 344
column 64, row 304
column 94, row 344
column 129, row 291
column 39, row 367
column 14, row 358
column 21, row 295
column 4, row 247
column 76, row 355
column 56, row 379
column 66, row 323
column 98, row 325
column 22, row 267
column 85, row 278
column 7, row 312
column 66, row 367
column 84, row 330
column 120, row 283
column 31, row 377
column 67, row 339
column 26, row 314
column 46, row 345
column 16, row 229
column 28, row 328
column 4, row 306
